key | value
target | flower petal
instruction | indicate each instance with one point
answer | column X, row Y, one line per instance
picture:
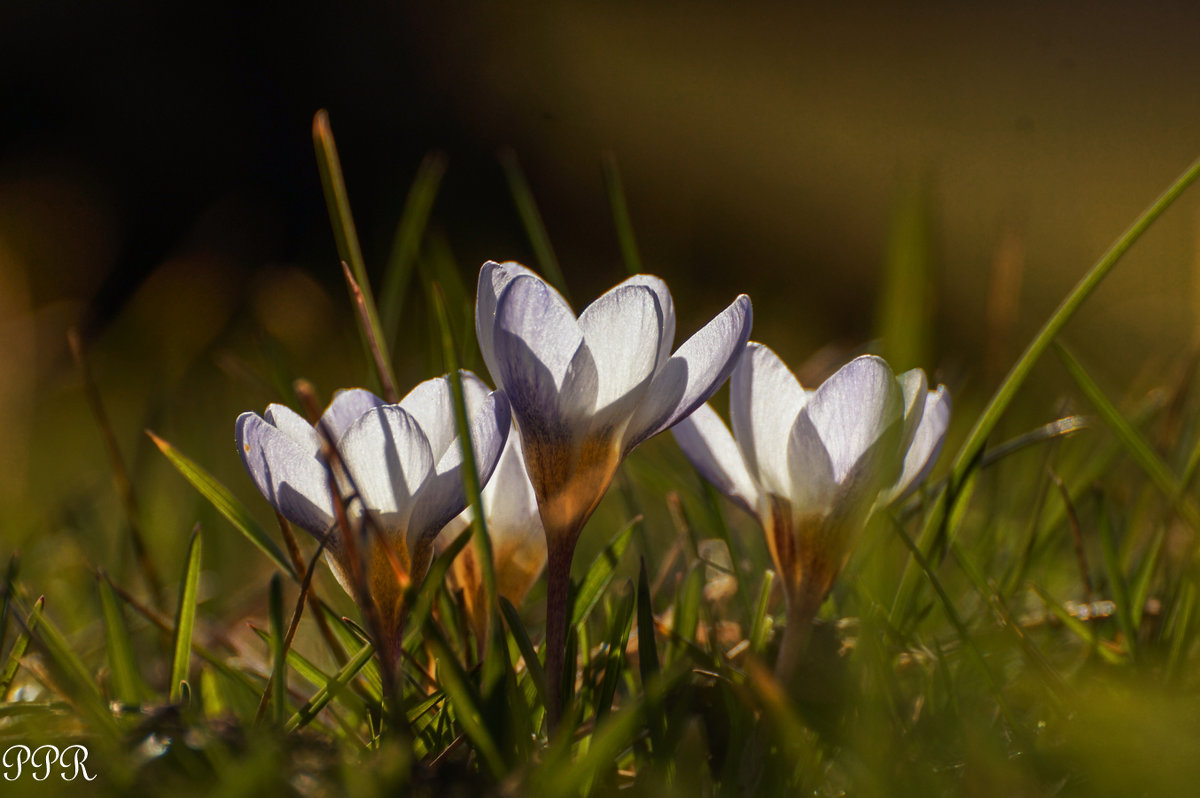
column 344, row 410
column 286, row 472
column 926, row 444
column 764, row 400
column 812, row 484
column 388, row 456
column 294, row 426
column 706, row 441
column 622, row 330
column 914, row 386
column 493, row 279
column 542, row 362
column 854, row 409
column 693, row 373
column 442, row 497
column 667, row 305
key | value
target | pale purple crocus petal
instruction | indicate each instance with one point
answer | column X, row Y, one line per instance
column 493, row 279
column 388, row 457
column 508, row 497
column 915, row 387
column 286, row 472
column 431, row 404
column 541, row 359
column 813, row 482
column 443, row 496
column 622, row 331
column 707, row 443
column 665, row 304
column 853, row 409
column 926, row 445
column 344, row 410
column 294, row 426
column 693, row 373
column 764, row 400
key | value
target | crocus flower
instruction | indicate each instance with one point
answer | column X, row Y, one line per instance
column 397, row 472
column 586, row 390
column 811, row 465
column 515, row 530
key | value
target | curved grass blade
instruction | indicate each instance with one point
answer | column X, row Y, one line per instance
column 531, row 218
column 406, row 244
column 532, row 664
column 331, row 688
column 601, row 573
column 1141, row 451
column 618, row 639
column 687, row 611
column 620, row 213
column 20, row 646
column 467, row 705
column 333, row 184
column 128, row 687
column 185, row 616
column 279, row 647
column 760, row 627
column 219, row 496
column 1117, row 582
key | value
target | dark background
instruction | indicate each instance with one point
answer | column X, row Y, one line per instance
column 158, row 187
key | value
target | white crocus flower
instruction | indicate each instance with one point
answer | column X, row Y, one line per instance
column 515, row 530
column 586, row 390
column 811, row 465
column 398, row 473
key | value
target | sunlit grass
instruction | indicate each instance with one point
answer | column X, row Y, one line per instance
column 1025, row 624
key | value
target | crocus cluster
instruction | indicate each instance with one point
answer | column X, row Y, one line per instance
column 378, row 482
column 392, row 471
column 811, row 465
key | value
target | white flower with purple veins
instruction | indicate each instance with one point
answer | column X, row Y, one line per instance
column 811, row 465
column 586, row 390
column 398, row 472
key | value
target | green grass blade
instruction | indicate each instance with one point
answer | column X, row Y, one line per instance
column 600, row 574
column 128, row 687
column 1116, row 580
column 10, row 578
column 20, row 645
column 620, row 213
column 1141, row 451
column 406, row 244
column 1066, row 310
column 907, row 294
column 337, row 202
column 648, row 658
column 331, row 688
column 532, row 664
column 531, row 218
column 760, row 626
column 421, row 603
column 618, row 639
column 278, row 653
column 468, row 708
column 1144, row 576
column 185, row 616
column 219, row 496
column 687, row 611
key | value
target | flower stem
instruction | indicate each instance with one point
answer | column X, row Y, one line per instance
column 800, row 615
column 558, row 584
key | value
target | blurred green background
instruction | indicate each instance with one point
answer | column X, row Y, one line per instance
column 158, row 190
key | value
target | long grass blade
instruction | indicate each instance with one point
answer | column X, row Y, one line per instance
column 20, row 645
column 220, row 497
column 185, row 616
column 128, row 687
column 600, row 575
column 620, row 213
column 531, row 218
column 1141, row 451
column 406, row 244
column 333, row 687
column 337, row 202
column 614, row 657
column 532, row 664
